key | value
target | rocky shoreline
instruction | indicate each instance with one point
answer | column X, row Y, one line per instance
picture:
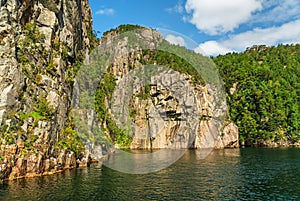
column 15, row 166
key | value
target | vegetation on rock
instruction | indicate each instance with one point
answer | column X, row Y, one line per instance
column 46, row 47
column 103, row 95
column 165, row 55
column 263, row 92
column 123, row 29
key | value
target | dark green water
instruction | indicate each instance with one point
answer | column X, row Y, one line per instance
column 234, row 174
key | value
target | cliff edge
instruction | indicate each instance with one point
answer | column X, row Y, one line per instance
column 42, row 44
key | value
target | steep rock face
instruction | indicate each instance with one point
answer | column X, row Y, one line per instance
column 41, row 43
column 186, row 115
column 159, row 121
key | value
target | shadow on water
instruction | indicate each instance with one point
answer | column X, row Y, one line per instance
column 231, row 174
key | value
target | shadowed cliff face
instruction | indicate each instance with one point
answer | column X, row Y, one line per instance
column 41, row 46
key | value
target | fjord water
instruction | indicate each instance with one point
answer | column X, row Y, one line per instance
column 230, row 174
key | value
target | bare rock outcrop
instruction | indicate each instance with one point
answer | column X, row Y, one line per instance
column 161, row 108
column 41, row 46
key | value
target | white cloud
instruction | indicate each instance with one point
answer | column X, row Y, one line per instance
column 106, row 11
column 212, row 48
column 286, row 34
column 220, row 16
column 176, row 40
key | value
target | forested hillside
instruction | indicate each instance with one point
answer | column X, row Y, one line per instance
column 263, row 93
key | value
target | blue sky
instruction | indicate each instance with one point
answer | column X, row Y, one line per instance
column 217, row 26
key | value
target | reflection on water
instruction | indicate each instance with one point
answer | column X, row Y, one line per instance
column 143, row 162
column 232, row 174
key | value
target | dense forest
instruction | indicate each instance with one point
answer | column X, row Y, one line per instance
column 263, row 92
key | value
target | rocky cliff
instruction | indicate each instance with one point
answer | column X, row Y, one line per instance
column 48, row 123
column 151, row 95
column 41, row 46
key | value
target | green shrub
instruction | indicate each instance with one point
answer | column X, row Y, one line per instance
column 132, row 113
column 70, row 139
column 43, row 109
column 4, row 128
column 38, row 79
column 28, row 143
column 9, row 138
column 120, row 136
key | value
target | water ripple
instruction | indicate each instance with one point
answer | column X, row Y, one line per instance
column 234, row 174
